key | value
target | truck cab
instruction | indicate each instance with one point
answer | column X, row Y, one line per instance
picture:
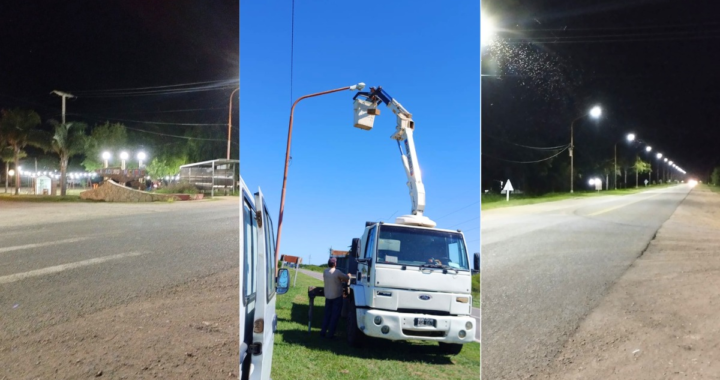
column 411, row 282
column 258, row 286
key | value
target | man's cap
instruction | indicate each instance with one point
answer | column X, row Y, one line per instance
column 332, row 261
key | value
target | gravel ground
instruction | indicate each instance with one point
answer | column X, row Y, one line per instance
column 660, row 320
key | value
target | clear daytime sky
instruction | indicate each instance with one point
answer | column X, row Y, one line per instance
column 425, row 54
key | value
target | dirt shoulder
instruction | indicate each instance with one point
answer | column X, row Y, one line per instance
column 186, row 332
column 660, row 320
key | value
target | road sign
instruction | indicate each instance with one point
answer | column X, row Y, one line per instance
column 507, row 189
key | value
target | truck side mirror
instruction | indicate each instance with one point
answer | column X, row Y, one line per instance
column 476, row 261
column 283, row 281
column 355, row 248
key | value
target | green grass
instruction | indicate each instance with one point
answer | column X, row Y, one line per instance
column 298, row 355
column 73, row 195
column 476, row 290
column 492, row 201
column 713, row 188
column 314, row 268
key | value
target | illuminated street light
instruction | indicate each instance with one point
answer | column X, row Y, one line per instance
column 648, row 148
column 105, row 156
column 659, row 156
column 123, row 156
column 141, row 157
column 487, row 30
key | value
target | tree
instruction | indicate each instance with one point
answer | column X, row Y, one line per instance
column 68, row 140
column 108, row 136
column 640, row 166
column 17, row 128
column 715, row 176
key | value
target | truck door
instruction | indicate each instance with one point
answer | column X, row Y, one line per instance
column 265, row 319
column 248, row 278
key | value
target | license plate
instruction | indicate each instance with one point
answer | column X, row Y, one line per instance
column 423, row 322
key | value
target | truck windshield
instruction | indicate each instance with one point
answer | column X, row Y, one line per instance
column 417, row 246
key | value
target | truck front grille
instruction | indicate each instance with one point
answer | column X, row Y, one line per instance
column 427, row 334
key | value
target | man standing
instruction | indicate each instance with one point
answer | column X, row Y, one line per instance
column 333, row 279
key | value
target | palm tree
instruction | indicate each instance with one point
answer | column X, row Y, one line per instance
column 17, row 127
column 68, row 140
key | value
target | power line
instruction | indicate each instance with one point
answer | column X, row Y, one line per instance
column 292, row 48
column 178, row 136
column 97, row 117
column 460, row 209
column 226, row 81
column 469, row 220
column 526, row 162
column 527, row 146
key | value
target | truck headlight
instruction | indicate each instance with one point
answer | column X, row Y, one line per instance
column 378, row 320
column 468, row 325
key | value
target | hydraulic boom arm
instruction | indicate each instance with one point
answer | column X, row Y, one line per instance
column 367, row 110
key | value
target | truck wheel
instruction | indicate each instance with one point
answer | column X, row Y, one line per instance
column 450, row 348
column 354, row 335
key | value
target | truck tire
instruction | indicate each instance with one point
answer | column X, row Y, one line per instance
column 450, row 348
column 354, row 335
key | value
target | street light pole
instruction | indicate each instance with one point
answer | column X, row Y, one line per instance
column 63, row 95
column 230, row 121
column 594, row 112
column 358, row 87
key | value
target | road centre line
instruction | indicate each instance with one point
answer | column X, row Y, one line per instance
column 623, row 205
column 37, row 245
column 59, row 268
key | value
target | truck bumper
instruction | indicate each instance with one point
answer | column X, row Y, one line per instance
column 402, row 326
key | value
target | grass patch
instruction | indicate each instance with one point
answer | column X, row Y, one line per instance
column 476, row 290
column 492, row 201
column 299, row 355
column 40, row 198
column 314, row 268
column 713, row 188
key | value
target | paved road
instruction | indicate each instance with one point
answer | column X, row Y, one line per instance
column 546, row 266
column 475, row 312
column 102, row 255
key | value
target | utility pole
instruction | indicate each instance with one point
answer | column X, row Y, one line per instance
column 63, row 95
column 230, row 121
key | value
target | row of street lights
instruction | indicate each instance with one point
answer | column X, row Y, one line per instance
column 595, row 112
column 106, row 156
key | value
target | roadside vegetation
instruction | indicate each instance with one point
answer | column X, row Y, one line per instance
column 493, row 200
column 299, row 355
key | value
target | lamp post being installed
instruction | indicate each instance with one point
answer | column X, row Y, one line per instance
column 354, row 87
column 630, row 137
column 595, row 113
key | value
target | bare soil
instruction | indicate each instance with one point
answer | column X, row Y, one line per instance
column 661, row 320
column 187, row 332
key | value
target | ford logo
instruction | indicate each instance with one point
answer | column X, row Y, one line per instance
column 424, row 297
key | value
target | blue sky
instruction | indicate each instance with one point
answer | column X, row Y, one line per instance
column 424, row 54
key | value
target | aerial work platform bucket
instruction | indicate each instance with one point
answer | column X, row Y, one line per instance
column 365, row 112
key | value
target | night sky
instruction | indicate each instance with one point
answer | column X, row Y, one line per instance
column 85, row 46
column 651, row 65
